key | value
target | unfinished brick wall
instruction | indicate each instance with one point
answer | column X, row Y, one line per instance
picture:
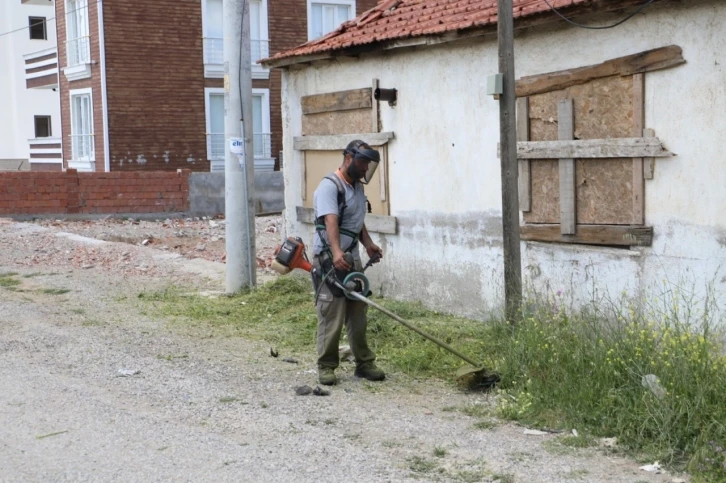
column 29, row 192
column 155, row 85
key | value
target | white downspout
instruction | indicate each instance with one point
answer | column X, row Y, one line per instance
column 104, row 98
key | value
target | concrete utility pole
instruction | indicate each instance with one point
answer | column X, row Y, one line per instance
column 508, row 159
column 239, row 174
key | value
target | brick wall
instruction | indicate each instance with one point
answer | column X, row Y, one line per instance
column 288, row 27
column 155, row 85
column 72, row 192
column 94, row 83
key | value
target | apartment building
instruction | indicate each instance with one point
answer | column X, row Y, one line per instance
column 30, row 120
column 141, row 82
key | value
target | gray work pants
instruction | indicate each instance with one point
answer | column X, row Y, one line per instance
column 333, row 312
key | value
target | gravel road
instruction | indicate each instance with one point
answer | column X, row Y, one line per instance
column 93, row 389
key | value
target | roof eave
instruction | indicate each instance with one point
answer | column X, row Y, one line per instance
column 541, row 18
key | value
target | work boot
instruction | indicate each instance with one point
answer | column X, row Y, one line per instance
column 370, row 371
column 326, row 376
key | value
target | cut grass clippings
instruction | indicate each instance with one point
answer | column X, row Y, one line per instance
column 558, row 370
column 8, row 280
column 282, row 313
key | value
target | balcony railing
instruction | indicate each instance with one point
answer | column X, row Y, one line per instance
column 215, row 146
column 260, row 50
column 82, row 147
column 261, row 145
column 41, row 69
column 214, row 50
column 45, row 150
column 78, row 51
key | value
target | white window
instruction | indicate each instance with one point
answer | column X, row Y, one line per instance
column 82, row 143
column 261, row 123
column 213, row 19
column 216, row 147
column 78, row 45
column 326, row 17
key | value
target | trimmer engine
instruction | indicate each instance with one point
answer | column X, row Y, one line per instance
column 291, row 255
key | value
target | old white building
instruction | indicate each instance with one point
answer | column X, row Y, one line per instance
column 633, row 223
column 30, row 125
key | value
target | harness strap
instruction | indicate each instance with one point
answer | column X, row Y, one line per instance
column 320, row 221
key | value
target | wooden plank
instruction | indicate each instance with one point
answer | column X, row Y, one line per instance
column 648, row 163
column 647, row 61
column 374, row 223
column 337, row 101
column 613, row 235
column 374, row 108
column 593, row 149
column 303, row 181
column 339, row 141
column 638, row 126
column 336, row 122
column 525, row 172
column 566, row 132
column 382, row 173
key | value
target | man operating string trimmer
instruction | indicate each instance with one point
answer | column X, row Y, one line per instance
column 342, row 290
column 340, row 209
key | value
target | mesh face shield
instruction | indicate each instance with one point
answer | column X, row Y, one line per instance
column 362, row 151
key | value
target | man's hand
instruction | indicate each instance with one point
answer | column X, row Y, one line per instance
column 374, row 251
column 339, row 260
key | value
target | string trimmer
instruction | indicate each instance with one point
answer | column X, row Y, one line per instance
column 291, row 255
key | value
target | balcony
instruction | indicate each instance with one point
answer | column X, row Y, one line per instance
column 41, row 69
column 78, row 55
column 261, row 145
column 45, row 154
column 214, row 57
column 46, row 3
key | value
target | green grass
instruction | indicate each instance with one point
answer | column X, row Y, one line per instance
column 559, row 370
column 54, row 291
column 418, row 464
column 8, row 280
column 439, row 452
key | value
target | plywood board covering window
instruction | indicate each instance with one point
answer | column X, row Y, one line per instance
column 603, row 108
column 319, row 163
column 595, row 113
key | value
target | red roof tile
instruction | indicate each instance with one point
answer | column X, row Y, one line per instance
column 398, row 19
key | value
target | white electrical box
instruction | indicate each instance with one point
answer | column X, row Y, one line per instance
column 495, row 85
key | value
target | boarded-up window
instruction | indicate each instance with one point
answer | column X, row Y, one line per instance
column 320, row 163
column 330, row 121
column 596, row 112
column 603, row 108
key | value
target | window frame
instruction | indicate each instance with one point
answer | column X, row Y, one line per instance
column 348, row 3
column 50, row 126
column 208, row 92
column 216, row 70
column 73, row 93
column 32, row 22
column 264, row 93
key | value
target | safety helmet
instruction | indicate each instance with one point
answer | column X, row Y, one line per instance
column 361, row 150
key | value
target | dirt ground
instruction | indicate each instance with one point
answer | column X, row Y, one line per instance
column 94, row 388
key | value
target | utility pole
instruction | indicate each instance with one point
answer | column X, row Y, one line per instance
column 239, row 174
column 508, row 160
